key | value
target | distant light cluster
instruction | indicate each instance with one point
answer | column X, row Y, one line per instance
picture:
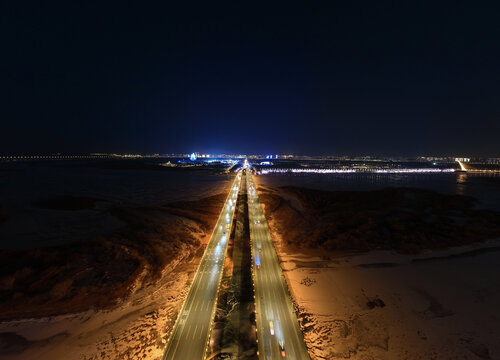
column 348, row 171
column 404, row 171
column 315, row 171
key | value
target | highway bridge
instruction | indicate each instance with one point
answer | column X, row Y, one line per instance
column 278, row 332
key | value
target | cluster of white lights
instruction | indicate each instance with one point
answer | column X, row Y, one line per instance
column 348, row 171
column 318, row 171
column 404, row 171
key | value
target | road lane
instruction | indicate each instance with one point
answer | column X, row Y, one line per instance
column 272, row 299
column 189, row 336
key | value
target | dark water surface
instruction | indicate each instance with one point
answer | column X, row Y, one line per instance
column 485, row 188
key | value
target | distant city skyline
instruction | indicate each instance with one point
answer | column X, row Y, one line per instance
column 199, row 156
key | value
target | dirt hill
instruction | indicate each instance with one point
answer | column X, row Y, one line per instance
column 404, row 219
column 99, row 272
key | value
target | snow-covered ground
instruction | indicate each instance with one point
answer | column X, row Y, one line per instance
column 139, row 326
column 136, row 329
column 382, row 305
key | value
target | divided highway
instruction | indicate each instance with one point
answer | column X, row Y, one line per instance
column 189, row 337
column 278, row 331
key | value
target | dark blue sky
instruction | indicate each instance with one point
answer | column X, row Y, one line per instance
column 329, row 78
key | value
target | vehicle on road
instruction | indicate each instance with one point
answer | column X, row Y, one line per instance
column 271, row 327
column 282, row 348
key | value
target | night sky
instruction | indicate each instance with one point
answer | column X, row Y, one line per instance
column 331, row 78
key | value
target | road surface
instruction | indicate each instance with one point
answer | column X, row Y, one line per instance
column 189, row 337
column 272, row 299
